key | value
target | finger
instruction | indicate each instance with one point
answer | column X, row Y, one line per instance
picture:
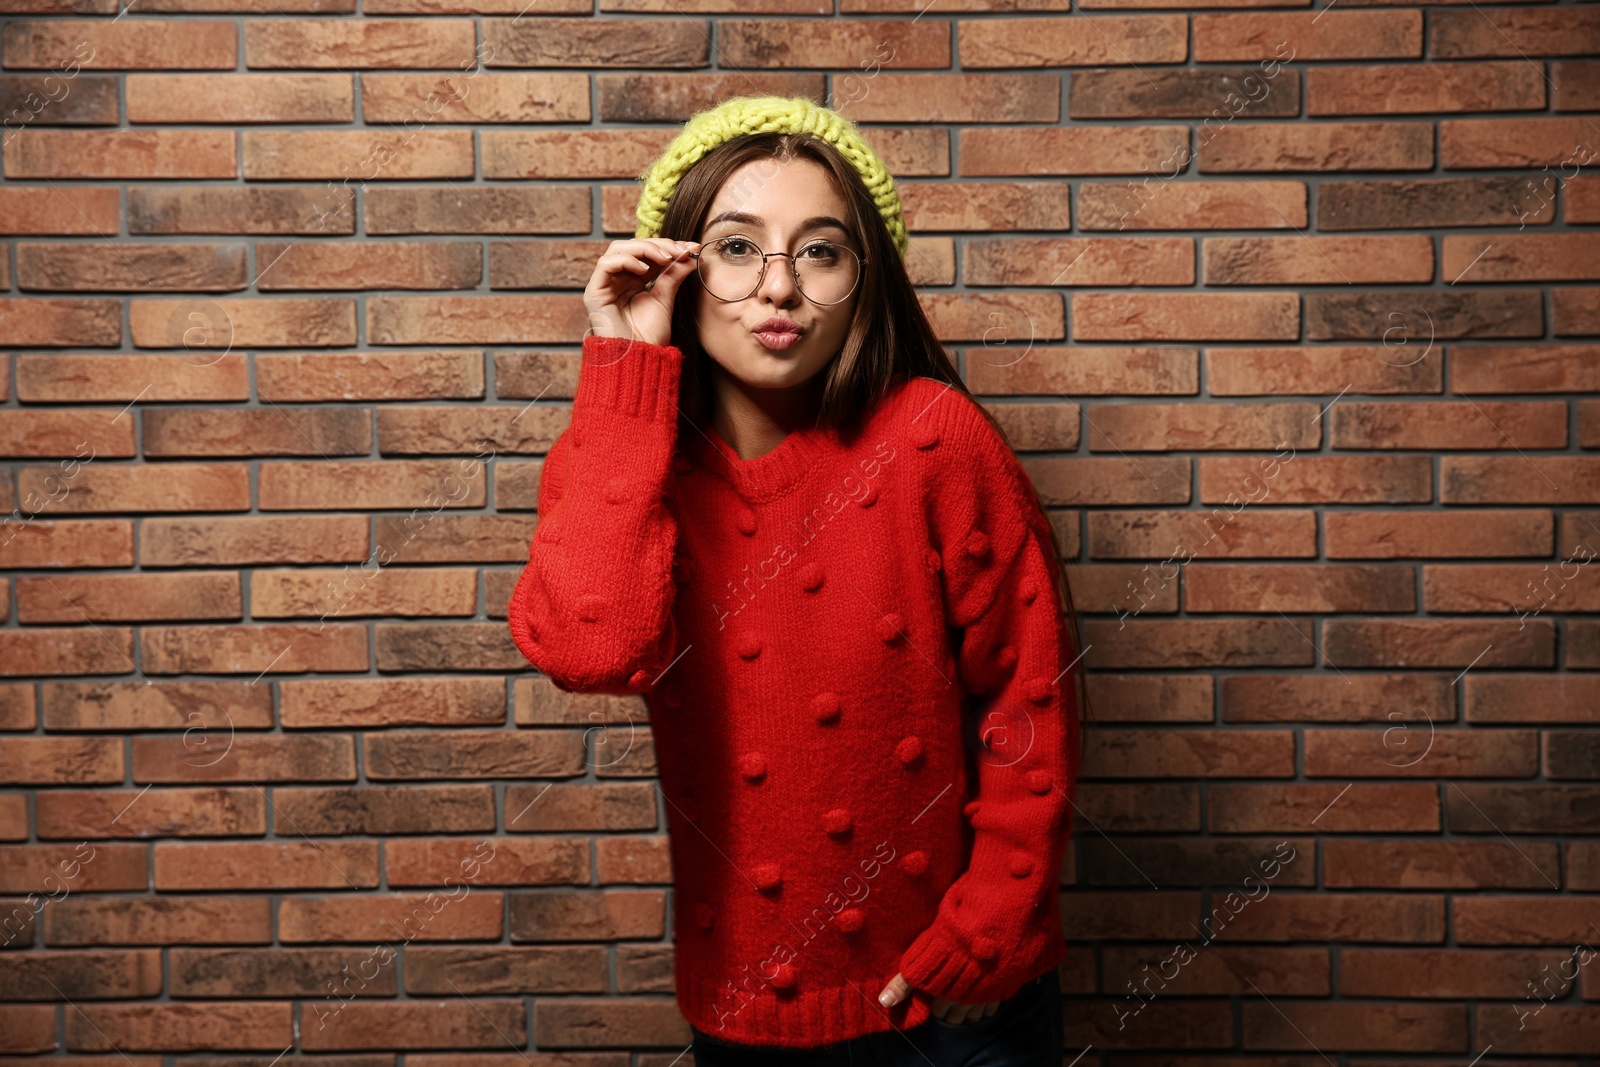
column 894, row 992
column 657, row 248
column 665, row 284
column 634, row 259
column 613, row 263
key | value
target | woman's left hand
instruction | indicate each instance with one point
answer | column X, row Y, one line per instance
column 950, row 1011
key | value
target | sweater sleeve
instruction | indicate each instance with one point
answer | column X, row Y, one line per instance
column 593, row 607
column 996, row 926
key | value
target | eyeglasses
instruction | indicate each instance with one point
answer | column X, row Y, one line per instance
column 731, row 268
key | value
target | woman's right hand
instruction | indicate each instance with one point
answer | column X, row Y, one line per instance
column 633, row 286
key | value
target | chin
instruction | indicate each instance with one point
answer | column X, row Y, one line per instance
column 771, row 372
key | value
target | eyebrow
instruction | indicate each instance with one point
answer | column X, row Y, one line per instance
column 747, row 219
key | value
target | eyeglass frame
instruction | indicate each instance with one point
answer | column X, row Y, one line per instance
column 793, row 270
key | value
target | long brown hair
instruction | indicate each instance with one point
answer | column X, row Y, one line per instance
column 889, row 335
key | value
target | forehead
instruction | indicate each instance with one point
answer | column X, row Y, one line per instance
column 777, row 196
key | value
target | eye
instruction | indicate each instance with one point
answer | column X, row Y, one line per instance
column 824, row 250
column 736, row 246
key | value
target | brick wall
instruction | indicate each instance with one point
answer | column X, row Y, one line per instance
column 1291, row 315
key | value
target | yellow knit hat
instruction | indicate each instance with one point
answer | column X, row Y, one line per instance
column 742, row 115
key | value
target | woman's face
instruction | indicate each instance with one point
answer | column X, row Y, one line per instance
column 778, row 207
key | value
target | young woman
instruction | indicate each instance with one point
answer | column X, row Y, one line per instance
column 779, row 516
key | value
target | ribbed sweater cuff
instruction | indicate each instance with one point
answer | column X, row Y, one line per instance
column 940, row 964
column 625, row 376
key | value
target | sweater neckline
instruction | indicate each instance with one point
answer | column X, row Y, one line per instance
column 769, row 474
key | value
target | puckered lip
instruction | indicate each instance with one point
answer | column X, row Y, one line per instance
column 778, row 324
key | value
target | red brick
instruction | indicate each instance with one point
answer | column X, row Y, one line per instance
column 473, row 754
column 46, row 543
column 1524, row 141
column 456, row 915
column 274, row 431
column 223, row 755
column 1185, row 535
column 59, row 322
column 979, row 98
column 1321, row 146
column 181, row 1027
column 310, row 376
column 193, row 920
column 203, row 375
column 1425, row 535
column 1554, row 368
column 1404, row 1027
column 1181, row 753
column 1169, row 807
column 1415, row 864
column 1185, row 316
column 1421, row 752
column 1523, row 698
column 148, row 705
column 208, row 325
column 1166, row 1023
column 70, row 598
column 266, row 865
column 152, row 813
column 393, row 702
column 1438, row 643
column 1345, row 916
column 383, row 591
column 1394, row 699
column 1416, row 88
column 82, row 210
column 130, row 154
column 395, row 483
column 1297, row 587
column 1535, row 1027
column 137, row 44
column 240, row 98
column 1509, row 32
column 1483, row 808
column 67, row 650
column 353, row 44
column 1124, row 915
column 1151, row 698
column 475, row 96
column 1311, row 260
column 1307, row 36
column 61, row 761
column 84, row 432
column 201, row 541
column 1360, row 807
column 505, row 861
column 1503, row 975
column 1486, row 919
column 254, row 650
column 138, row 267
column 536, row 969
column 85, row 867
column 381, row 810
column 1219, row 970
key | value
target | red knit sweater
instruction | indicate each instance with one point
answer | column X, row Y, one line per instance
column 820, row 635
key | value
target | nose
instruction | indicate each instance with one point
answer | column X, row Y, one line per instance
column 779, row 285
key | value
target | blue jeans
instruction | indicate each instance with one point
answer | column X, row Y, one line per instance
column 1026, row 1030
